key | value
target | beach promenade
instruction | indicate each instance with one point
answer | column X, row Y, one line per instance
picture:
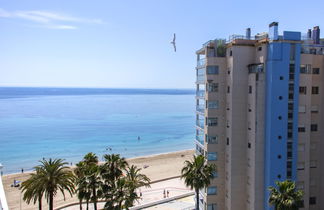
column 157, row 167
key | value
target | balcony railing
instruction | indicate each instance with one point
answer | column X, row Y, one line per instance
column 200, row 93
column 201, row 63
column 200, row 139
column 200, row 108
column 201, row 78
column 200, row 124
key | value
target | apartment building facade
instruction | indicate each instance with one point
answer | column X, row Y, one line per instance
column 259, row 117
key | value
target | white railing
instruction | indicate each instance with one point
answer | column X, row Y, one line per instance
column 3, row 200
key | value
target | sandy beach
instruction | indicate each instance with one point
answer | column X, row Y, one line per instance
column 160, row 166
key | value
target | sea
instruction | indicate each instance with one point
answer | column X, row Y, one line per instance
column 67, row 123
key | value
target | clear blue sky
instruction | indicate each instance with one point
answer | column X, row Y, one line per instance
column 125, row 43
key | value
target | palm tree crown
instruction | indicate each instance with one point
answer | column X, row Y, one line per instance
column 285, row 196
column 51, row 176
column 197, row 174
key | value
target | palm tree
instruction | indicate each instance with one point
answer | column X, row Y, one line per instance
column 285, row 196
column 197, row 174
column 51, row 176
column 82, row 184
column 91, row 175
column 135, row 180
column 32, row 191
column 113, row 167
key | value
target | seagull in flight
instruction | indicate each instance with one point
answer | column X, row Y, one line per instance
column 174, row 43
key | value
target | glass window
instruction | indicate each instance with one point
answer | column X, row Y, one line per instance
column 250, row 89
column 316, row 70
column 313, row 127
column 211, row 190
column 301, row 166
column 212, row 70
column 305, row 69
column 302, row 109
column 212, row 206
column 212, row 87
column 314, row 109
column 301, row 129
column 312, row 200
column 215, row 175
column 313, row 164
column 211, row 156
column 212, row 139
column 212, row 121
column 212, row 104
column 302, row 90
column 315, row 90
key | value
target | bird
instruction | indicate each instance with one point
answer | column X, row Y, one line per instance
column 174, row 43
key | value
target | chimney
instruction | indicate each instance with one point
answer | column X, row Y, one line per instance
column 248, row 33
column 316, row 35
column 273, row 31
column 309, row 33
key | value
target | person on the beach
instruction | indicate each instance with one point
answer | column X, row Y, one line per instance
column 164, row 193
column 167, row 193
column 22, row 170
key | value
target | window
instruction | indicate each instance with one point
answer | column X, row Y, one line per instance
column 314, row 109
column 212, row 121
column 230, row 53
column 316, row 70
column 313, row 164
column 212, row 139
column 212, row 206
column 281, row 77
column 211, row 190
column 228, row 89
column 301, row 147
column 280, row 97
column 212, row 70
column 214, row 174
column 212, row 105
column 312, row 200
column 305, row 69
column 300, row 185
column 212, row 87
column 300, row 166
column 250, row 89
column 211, row 156
column 302, row 109
column 279, row 137
column 259, row 48
column 227, row 141
column 301, row 129
column 249, row 145
column 302, row 90
column 279, row 118
column 315, row 90
column 313, row 127
column 279, row 156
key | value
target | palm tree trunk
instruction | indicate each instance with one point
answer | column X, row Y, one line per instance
column 51, row 201
column 197, row 199
column 40, row 203
column 80, row 203
column 87, row 204
column 94, row 198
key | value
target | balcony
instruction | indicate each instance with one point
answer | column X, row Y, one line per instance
column 201, row 63
column 200, row 93
column 200, row 108
column 200, row 124
column 200, row 139
column 200, row 79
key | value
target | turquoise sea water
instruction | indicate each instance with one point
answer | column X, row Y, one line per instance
column 68, row 123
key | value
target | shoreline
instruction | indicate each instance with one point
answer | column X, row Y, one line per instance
column 100, row 162
column 159, row 166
